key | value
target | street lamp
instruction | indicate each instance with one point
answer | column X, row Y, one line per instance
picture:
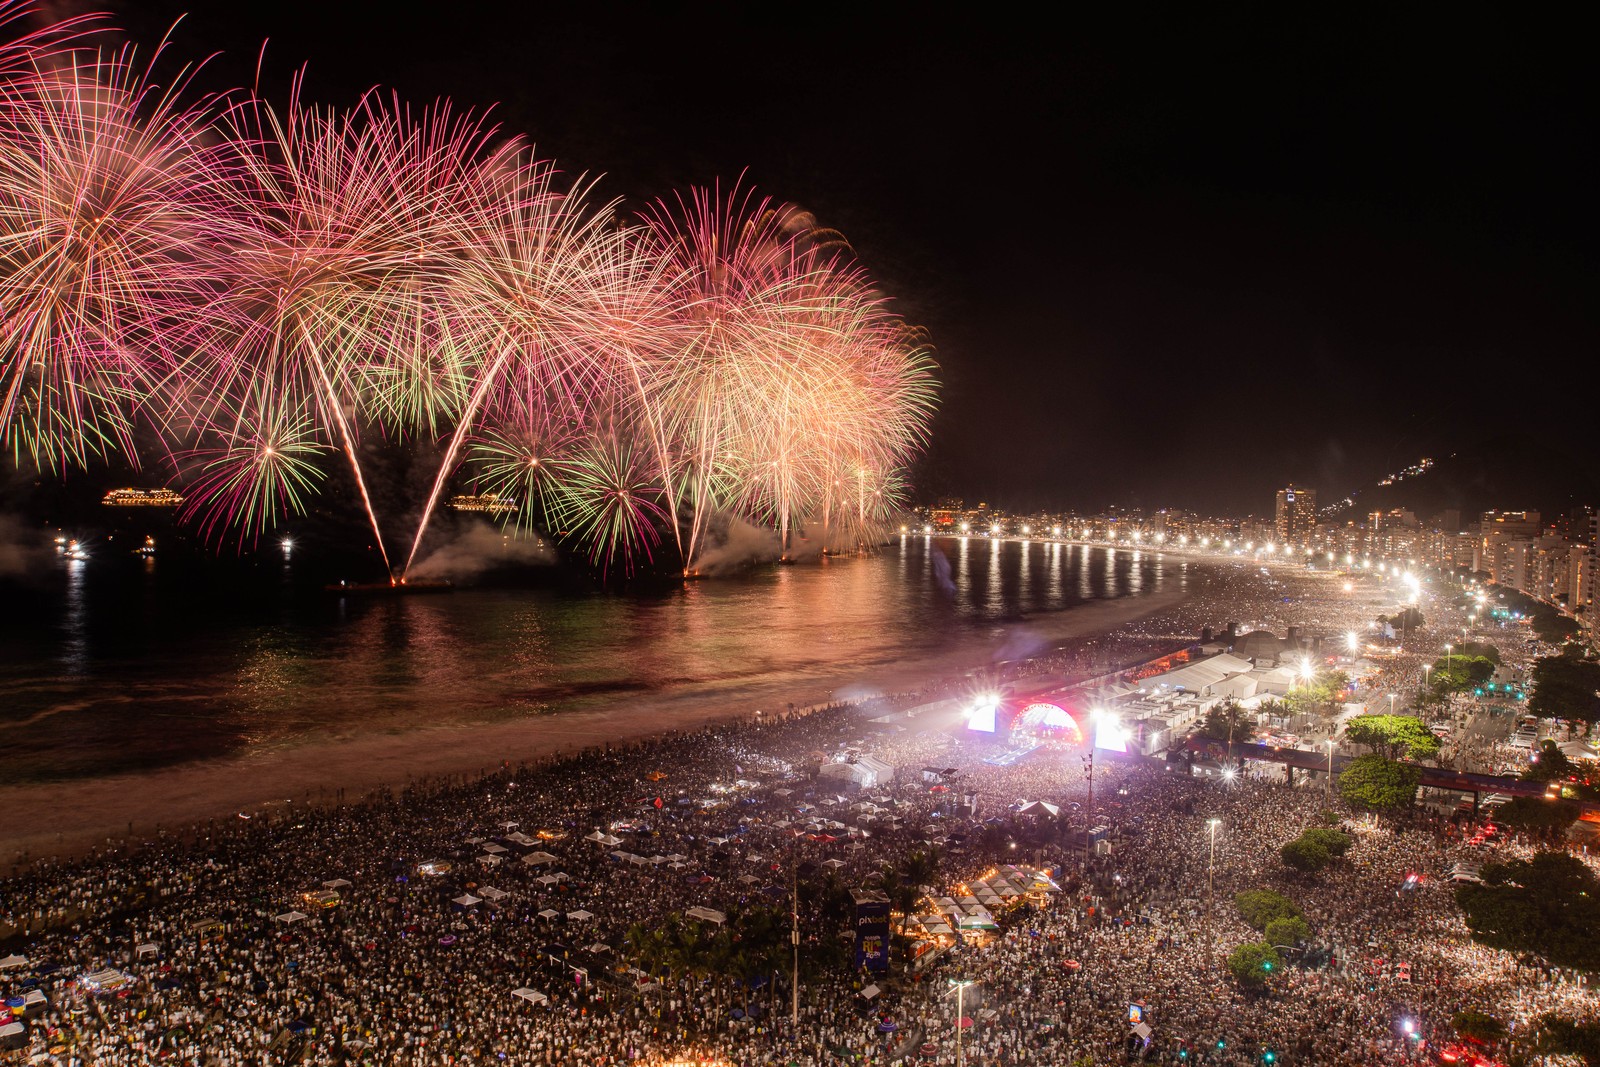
column 960, row 986
column 1391, row 703
column 1211, row 869
column 1327, row 784
column 1447, row 650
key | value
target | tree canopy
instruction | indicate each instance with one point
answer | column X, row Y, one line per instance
column 1563, row 1037
column 1394, row 735
column 1548, row 906
column 1458, row 672
column 1288, row 931
column 1321, row 695
column 1258, row 907
column 1379, row 784
column 1536, row 813
column 1477, row 1026
column 1565, row 687
column 1251, row 963
column 1228, row 722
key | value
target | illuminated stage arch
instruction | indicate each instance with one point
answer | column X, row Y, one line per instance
column 1049, row 722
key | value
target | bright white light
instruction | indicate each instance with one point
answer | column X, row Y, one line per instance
column 983, row 715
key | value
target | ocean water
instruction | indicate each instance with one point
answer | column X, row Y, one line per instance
column 112, row 665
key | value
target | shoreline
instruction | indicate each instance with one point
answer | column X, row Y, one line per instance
column 70, row 817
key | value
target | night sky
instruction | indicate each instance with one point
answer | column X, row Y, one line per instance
column 1179, row 259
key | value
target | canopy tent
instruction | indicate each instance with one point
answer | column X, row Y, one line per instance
column 833, row 863
column 547, row 879
column 595, row 835
column 522, row 839
column 495, row 847
column 149, row 948
column 580, row 915
column 467, row 900
column 870, row 992
column 538, row 859
column 532, row 996
column 487, row 860
column 336, row 883
column 549, row 913
column 489, row 892
column 290, row 917
column 707, row 915
column 1039, row 807
column 12, row 962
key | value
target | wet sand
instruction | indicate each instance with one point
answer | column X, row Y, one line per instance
column 69, row 817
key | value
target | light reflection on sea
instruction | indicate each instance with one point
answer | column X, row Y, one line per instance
column 114, row 669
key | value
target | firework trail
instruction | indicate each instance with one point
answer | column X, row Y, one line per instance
column 346, row 227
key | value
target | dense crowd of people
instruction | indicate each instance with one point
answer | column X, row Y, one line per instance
column 505, row 918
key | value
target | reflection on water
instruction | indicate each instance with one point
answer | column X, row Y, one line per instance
column 112, row 668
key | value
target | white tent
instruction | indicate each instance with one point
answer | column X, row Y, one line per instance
column 833, row 863
column 547, row 879
column 12, row 962
column 491, row 893
column 707, row 915
column 596, row 836
column 149, row 948
column 336, row 883
column 532, row 996
column 290, row 917
column 494, row 847
column 611, row 840
column 580, row 915
column 536, row 859
column 870, row 992
column 549, row 913
column 520, row 839
column 487, row 860
column 467, row 900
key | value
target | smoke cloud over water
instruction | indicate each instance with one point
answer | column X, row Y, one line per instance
column 741, row 544
column 481, row 548
column 20, row 550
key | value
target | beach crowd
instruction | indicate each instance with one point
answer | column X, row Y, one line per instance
column 507, row 917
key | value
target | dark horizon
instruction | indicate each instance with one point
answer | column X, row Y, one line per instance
column 1177, row 262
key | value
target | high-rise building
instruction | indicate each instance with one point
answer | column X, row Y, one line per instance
column 1297, row 513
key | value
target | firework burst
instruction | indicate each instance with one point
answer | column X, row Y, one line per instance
column 261, row 292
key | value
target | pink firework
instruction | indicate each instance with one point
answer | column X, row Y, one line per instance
column 109, row 189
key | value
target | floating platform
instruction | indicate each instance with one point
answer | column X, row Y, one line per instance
column 388, row 588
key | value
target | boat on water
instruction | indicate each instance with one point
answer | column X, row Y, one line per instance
column 421, row 585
